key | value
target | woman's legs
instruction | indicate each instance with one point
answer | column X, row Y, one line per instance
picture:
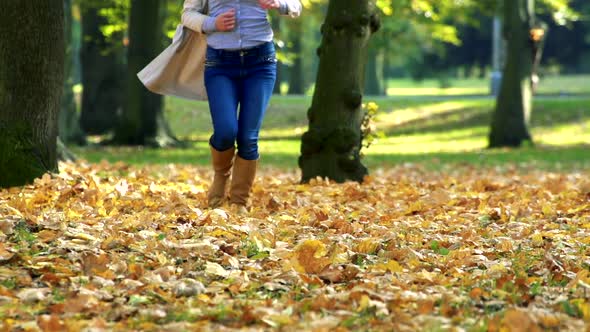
column 223, row 100
column 223, row 92
column 244, row 78
column 255, row 92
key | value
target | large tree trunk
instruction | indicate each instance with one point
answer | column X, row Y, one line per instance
column 69, row 122
column 142, row 121
column 31, row 78
column 331, row 147
column 296, row 73
column 514, row 104
column 103, row 72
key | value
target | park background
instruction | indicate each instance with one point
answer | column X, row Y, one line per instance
column 443, row 233
column 430, row 77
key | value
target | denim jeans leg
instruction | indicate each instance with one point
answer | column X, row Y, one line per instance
column 222, row 91
column 255, row 92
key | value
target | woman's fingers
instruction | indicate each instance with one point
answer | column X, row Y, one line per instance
column 268, row 4
column 226, row 21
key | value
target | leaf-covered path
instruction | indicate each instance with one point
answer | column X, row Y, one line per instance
column 116, row 247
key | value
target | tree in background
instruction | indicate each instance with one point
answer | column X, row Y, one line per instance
column 69, row 121
column 296, row 77
column 103, row 64
column 331, row 146
column 513, row 108
column 524, row 35
column 31, row 78
column 142, row 121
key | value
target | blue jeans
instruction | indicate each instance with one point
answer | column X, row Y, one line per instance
column 245, row 78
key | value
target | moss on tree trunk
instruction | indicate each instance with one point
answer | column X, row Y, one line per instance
column 510, row 120
column 331, row 146
column 31, row 78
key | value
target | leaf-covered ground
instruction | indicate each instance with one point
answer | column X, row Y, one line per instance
column 116, row 247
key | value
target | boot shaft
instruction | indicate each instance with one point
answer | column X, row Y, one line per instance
column 243, row 175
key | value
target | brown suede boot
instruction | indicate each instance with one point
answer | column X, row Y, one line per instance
column 222, row 162
column 242, row 179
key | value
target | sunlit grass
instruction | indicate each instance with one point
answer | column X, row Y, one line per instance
column 430, row 130
column 437, row 91
column 469, row 139
column 572, row 84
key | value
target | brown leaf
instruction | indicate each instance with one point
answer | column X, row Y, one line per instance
column 6, row 253
column 310, row 257
column 94, row 264
column 519, row 321
column 339, row 274
column 50, row 323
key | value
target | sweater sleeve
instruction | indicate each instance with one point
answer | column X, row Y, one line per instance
column 290, row 7
column 193, row 16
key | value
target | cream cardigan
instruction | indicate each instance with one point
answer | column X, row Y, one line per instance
column 179, row 69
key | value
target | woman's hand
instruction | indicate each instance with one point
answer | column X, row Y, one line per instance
column 269, row 4
column 226, row 21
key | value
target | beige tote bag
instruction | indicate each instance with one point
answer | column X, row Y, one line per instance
column 179, row 69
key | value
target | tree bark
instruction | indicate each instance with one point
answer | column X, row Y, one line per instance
column 142, row 121
column 69, row 122
column 331, row 147
column 31, row 78
column 103, row 72
column 510, row 121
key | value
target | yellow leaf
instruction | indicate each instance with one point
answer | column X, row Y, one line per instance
column 537, row 240
column 391, row 266
column 363, row 303
column 548, row 210
column 204, row 298
column 368, row 246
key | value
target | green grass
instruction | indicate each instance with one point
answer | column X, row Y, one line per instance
column 554, row 85
column 432, row 131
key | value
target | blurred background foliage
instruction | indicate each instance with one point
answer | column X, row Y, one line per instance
column 420, row 39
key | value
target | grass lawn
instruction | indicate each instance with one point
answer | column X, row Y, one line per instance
column 553, row 85
column 433, row 131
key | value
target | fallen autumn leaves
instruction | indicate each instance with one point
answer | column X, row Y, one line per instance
column 118, row 247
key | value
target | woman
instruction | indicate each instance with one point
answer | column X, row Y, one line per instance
column 240, row 72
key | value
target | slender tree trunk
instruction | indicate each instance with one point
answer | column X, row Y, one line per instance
column 142, row 121
column 276, row 27
column 296, row 76
column 31, row 78
column 103, row 72
column 331, row 147
column 69, row 122
column 514, row 104
column 374, row 82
